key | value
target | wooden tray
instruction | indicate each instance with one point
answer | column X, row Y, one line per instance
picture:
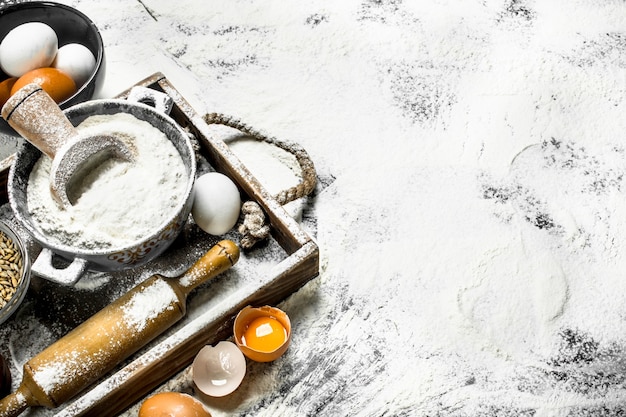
column 168, row 355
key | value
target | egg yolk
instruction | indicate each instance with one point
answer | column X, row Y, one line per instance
column 57, row 84
column 264, row 334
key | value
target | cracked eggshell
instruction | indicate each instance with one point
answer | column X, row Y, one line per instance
column 242, row 322
column 218, row 370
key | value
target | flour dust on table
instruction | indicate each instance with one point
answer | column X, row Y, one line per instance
column 472, row 204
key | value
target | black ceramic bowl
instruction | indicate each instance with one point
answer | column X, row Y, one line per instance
column 71, row 26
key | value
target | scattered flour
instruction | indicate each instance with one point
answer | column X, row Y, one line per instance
column 120, row 202
column 50, row 376
column 457, row 279
column 471, row 215
column 147, row 304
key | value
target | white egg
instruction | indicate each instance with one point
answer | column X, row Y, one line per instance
column 216, row 203
column 218, row 371
column 75, row 60
column 27, row 47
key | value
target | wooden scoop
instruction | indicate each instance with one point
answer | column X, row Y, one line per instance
column 88, row 352
column 38, row 118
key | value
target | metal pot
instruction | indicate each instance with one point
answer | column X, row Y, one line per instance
column 139, row 252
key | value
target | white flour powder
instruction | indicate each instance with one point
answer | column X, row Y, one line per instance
column 147, row 304
column 456, row 280
column 120, row 202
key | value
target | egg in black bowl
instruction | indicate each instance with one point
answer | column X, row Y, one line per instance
column 71, row 27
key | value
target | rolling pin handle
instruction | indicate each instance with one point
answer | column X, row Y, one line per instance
column 13, row 404
column 218, row 259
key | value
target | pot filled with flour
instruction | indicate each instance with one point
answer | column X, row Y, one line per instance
column 126, row 212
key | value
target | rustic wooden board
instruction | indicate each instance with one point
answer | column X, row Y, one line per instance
column 166, row 357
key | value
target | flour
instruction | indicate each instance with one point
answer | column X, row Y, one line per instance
column 471, row 210
column 457, row 279
column 119, row 202
column 147, row 304
column 53, row 374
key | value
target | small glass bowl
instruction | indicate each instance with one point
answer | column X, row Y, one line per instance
column 16, row 299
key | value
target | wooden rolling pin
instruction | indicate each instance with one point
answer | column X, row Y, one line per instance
column 96, row 346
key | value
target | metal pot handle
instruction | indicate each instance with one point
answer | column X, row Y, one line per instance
column 67, row 276
column 161, row 102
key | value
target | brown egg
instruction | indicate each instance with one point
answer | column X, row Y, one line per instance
column 263, row 334
column 56, row 83
column 5, row 89
column 172, row 404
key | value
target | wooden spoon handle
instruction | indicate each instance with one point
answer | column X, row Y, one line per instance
column 38, row 118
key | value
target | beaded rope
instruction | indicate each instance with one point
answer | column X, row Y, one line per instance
column 255, row 225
